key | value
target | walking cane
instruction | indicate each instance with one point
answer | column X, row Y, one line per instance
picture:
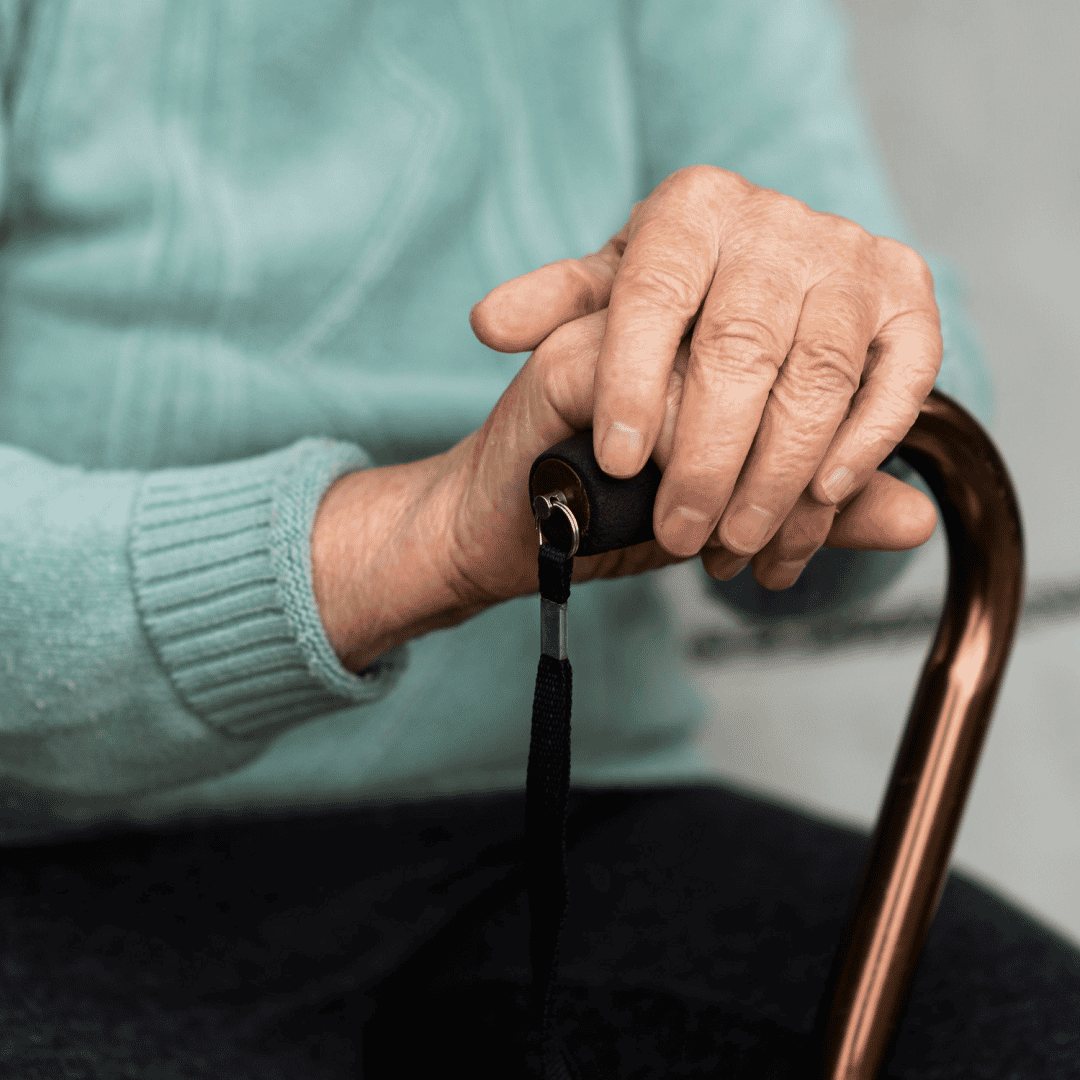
column 581, row 510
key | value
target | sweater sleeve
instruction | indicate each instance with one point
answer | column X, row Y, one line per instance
column 159, row 628
column 763, row 88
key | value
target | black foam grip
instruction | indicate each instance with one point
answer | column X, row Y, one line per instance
column 620, row 511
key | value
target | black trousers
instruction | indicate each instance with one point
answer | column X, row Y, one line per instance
column 392, row 942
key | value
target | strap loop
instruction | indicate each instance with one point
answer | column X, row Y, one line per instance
column 555, row 571
column 547, row 787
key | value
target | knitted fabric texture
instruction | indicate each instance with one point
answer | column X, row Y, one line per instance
column 222, row 572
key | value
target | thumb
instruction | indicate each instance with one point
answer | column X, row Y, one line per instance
column 517, row 315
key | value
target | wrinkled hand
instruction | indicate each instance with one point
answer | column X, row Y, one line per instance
column 808, row 347
column 400, row 550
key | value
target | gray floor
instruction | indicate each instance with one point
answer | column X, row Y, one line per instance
column 975, row 106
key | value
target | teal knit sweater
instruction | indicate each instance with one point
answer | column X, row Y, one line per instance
column 240, row 244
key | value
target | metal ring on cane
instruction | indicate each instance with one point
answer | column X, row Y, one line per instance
column 543, row 505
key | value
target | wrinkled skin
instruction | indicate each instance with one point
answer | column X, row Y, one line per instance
column 813, row 345
column 766, row 356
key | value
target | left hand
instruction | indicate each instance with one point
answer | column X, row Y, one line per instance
column 814, row 345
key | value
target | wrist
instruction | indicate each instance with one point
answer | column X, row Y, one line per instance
column 378, row 559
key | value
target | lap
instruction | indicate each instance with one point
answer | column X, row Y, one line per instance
column 701, row 930
column 389, row 940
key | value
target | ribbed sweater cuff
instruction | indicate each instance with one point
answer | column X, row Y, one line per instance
column 221, row 560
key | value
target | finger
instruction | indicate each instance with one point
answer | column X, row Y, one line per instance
column 779, row 564
column 806, row 405
column 745, row 330
column 552, row 396
column 902, row 363
column 665, row 273
column 885, row 515
column 565, row 391
column 517, row 315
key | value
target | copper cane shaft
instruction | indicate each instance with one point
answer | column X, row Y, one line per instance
column 936, row 760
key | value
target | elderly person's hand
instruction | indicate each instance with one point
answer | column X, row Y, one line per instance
column 813, row 347
column 404, row 549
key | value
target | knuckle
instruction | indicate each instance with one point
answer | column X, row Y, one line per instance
column 701, row 179
column 822, row 367
column 802, row 423
column 844, row 242
column 667, row 288
column 792, row 212
column 704, row 187
column 907, row 261
column 799, row 213
column 850, row 234
column 745, row 346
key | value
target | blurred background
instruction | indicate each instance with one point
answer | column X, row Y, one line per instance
column 975, row 105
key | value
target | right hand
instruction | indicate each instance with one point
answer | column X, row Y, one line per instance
column 402, row 550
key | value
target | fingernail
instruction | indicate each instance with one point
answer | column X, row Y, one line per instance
column 734, row 570
column 745, row 532
column 684, row 530
column 838, row 484
column 620, row 450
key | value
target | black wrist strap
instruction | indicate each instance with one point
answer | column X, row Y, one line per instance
column 547, row 785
